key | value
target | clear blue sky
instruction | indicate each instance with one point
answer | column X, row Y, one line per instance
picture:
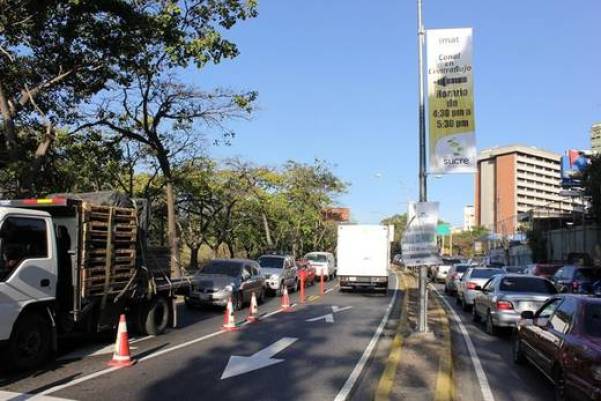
column 337, row 80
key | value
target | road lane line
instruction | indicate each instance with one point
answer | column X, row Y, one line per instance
column 384, row 386
column 9, row 396
column 480, row 374
column 346, row 389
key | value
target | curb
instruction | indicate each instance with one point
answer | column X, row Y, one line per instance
column 445, row 385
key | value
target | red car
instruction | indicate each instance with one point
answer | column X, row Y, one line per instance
column 304, row 267
column 563, row 340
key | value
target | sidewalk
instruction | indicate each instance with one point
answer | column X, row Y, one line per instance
column 419, row 366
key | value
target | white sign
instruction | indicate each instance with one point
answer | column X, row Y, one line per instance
column 451, row 101
column 418, row 244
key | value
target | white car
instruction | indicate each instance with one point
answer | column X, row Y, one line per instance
column 472, row 278
column 324, row 264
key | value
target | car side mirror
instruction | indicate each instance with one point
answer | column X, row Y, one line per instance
column 527, row 314
column 478, row 288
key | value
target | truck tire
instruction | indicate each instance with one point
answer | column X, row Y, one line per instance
column 30, row 342
column 155, row 316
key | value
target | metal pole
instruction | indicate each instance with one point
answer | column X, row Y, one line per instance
column 422, row 325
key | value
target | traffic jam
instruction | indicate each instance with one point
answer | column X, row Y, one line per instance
column 550, row 314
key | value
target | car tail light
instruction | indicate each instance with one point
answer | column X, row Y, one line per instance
column 471, row 285
column 504, row 305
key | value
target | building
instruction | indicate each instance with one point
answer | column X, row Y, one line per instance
column 469, row 218
column 596, row 138
column 517, row 181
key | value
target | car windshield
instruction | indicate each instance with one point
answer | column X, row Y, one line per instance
column 316, row 257
column 446, row 261
column 549, row 270
column 527, row 284
column 461, row 268
column 225, row 268
column 592, row 319
column 485, row 273
column 271, row 262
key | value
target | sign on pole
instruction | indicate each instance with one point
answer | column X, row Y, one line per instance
column 418, row 244
column 451, row 101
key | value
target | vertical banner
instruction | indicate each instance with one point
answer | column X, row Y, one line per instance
column 451, row 101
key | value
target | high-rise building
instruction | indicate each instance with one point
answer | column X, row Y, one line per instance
column 596, row 138
column 515, row 181
column 469, row 218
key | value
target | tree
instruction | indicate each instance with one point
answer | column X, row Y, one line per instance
column 592, row 182
column 463, row 242
column 399, row 221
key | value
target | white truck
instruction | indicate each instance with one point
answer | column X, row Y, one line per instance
column 363, row 254
column 71, row 265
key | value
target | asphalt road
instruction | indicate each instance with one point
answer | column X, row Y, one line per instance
column 308, row 354
column 507, row 382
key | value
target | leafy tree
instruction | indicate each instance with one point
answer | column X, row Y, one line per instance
column 399, row 221
column 463, row 242
column 592, row 182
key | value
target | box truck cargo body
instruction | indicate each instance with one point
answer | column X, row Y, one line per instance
column 363, row 253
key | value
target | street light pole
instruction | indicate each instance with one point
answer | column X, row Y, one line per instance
column 422, row 325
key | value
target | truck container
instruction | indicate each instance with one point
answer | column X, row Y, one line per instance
column 363, row 253
column 72, row 264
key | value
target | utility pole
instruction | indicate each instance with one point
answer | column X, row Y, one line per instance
column 422, row 325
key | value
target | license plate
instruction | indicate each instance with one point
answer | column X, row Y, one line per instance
column 205, row 297
column 352, row 279
column 527, row 306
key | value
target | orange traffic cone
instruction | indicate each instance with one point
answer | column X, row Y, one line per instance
column 121, row 355
column 285, row 300
column 253, row 311
column 229, row 322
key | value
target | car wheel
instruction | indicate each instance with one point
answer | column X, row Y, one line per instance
column 458, row 300
column 560, row 386
column 446, row 290
column 465, row 306
column 491, row 329
column 475, row 315
column 517, row 353
column 281, row 290
column 238, row 301
column 261, row 299
column 30, row 345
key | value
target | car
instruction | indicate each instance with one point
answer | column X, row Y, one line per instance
column 441, row 271
column 454, row 276
column 500, row 301
column 304, row 268
column 514, row 269
column 397, row 259
column 473, row 277
column 545, row 270
column 563, row 340
column 574, row 278
column 223, row 279
column 324, row 264
column 280, row 272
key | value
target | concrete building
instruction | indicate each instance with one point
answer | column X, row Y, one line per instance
column 515, row 181
column 596, row 138
column 469, row 218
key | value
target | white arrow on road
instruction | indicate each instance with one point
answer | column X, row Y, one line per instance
column 329, row 317
column 238, row 365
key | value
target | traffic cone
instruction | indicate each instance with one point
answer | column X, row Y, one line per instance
column 253, row 311
column 229, row 322
column 285, row 300
column 121, row 355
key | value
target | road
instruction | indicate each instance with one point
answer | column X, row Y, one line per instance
column 506, row 381
column 308, row 354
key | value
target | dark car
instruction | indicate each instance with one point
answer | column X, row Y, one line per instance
column 576, row 278
column 224, row 279
column 563, row 340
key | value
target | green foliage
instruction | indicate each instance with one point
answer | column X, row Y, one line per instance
column 592, row 180
column 463, row 242
column 399, row 221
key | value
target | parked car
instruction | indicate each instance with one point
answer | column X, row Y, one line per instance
column 222, row 279
column 397, row 259
column 501, row 300
column 454, row 276
column 304, row 267
column 576, row 278
column 514, row 269
column 441, row 271
column 324, row 263
column 472, row 278
column 563, row 340
column 279, row 271
column 545, row 270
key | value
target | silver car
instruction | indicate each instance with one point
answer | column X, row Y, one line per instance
column 472, row 278
column 454, row 277
column 503, row 298
column 279, row 271
column 224, row 279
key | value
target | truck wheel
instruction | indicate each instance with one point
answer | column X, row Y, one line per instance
column 156, row 316
column 29, row 344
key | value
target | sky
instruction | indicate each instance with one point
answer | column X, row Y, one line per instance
column 337, row 81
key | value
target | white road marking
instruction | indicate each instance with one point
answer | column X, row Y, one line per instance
column 345, row 391
column 8, row 396
column 95, row 351
column 480, row 374
column 238, row 365
column 329, row 318
column 337, row 309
